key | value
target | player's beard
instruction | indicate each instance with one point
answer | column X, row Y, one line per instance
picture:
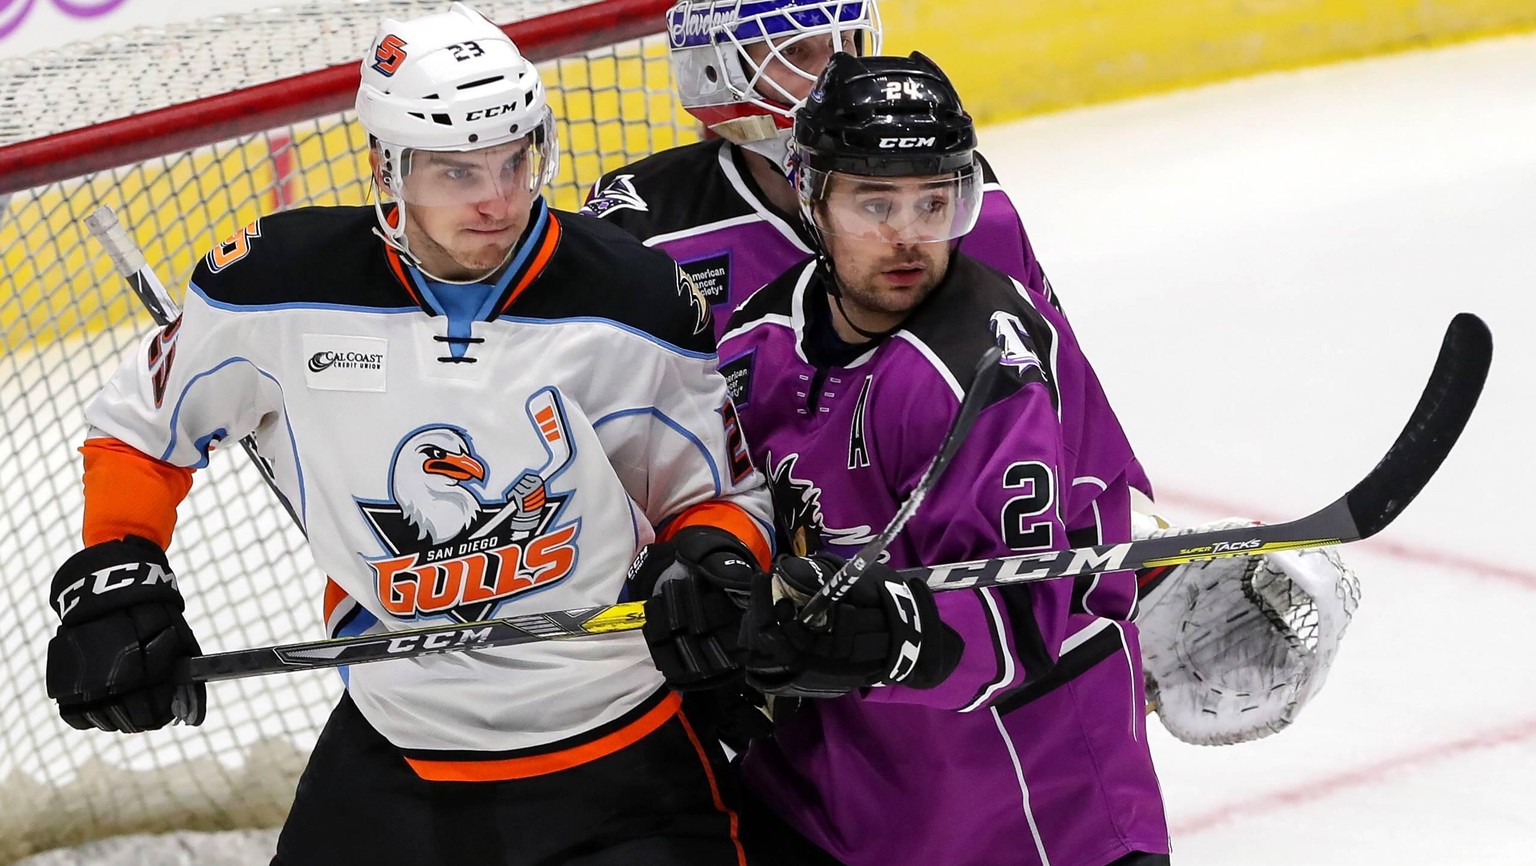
column 873, row 290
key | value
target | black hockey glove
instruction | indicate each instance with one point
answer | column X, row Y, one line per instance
column 121, row 633
column 695, row 586
column 884, row 630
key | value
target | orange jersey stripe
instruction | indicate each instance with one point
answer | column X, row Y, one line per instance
column 546, row 250
column 398, row 267
column 714, row 789
column 128, row 492
column 732, row 519
column 334, row 596
column 553, row 762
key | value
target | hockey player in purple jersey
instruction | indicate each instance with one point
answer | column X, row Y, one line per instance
column 723, row 208
column 434, row 381
column 995, row 726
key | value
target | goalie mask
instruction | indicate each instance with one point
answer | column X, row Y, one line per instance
column 737, row 97
column 456, row 115
column 884, row 151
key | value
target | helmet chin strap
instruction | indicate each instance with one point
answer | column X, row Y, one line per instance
column 835, row 289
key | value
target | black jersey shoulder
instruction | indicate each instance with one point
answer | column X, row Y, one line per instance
column 599, row 271
column 677, row 189
column 987, row 174
column 774, row 299
column 975, row 308
column 309, row 256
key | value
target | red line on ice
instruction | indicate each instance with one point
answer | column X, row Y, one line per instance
column 1359, row 777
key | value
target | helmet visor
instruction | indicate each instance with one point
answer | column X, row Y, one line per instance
column 442, row 178
column 909, row 210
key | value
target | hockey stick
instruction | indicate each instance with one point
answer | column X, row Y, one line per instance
column 134, row 268
column 1368, row 507
column 814, row 612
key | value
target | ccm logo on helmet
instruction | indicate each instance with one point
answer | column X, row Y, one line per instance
column 492, row 111
column 389, row 55
column 908, row 142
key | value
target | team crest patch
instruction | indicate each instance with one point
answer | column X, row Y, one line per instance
column 618, row 194
column 453, row 550
column 1017, row 345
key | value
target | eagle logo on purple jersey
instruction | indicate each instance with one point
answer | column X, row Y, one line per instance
column 618, row 194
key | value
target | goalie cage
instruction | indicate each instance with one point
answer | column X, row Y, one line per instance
column 199, row 128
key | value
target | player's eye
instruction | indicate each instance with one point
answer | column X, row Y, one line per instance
column 933, row 205
column 878, row 208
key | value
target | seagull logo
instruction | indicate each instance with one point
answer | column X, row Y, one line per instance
column 453, row 550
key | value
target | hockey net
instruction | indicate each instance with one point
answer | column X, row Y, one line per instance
column 189, row 133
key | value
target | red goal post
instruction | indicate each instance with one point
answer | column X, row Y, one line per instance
column 193, row 131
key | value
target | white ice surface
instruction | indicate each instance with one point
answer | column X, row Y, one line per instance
column 1262, row 272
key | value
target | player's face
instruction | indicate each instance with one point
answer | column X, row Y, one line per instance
column 466, row 210
column 885, row 271
column 793, row 67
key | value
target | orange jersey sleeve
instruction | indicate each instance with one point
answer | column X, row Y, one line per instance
column 732, row 519
column 127, row 492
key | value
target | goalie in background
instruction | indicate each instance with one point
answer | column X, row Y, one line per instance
column 725, row 209
column 998, row 725
column 434, row 381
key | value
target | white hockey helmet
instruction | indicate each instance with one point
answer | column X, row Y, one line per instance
column 720, row 84
column 451, row 82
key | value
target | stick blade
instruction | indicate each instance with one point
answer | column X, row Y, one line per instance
column 1443, row 410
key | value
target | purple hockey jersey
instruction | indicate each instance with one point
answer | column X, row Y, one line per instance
column 700, row 204
column 1034, row 750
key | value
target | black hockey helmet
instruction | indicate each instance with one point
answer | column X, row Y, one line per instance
column 884, row 117
column 884, row 151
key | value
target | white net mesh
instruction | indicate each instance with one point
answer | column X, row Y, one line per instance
column 66, row 319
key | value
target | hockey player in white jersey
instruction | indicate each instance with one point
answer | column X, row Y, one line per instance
column 478, row 406
column 1214, row 634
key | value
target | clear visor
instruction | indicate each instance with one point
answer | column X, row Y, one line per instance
column 440, row 178
column 907, row 210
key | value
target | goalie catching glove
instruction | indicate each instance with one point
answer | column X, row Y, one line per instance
column 885, row 630
column 1233, row 648
column 121, row 633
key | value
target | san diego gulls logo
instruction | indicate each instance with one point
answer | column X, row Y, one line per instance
column 451, row 549
column 618, row 194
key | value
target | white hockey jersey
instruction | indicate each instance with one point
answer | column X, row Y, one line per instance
column 451, row 467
